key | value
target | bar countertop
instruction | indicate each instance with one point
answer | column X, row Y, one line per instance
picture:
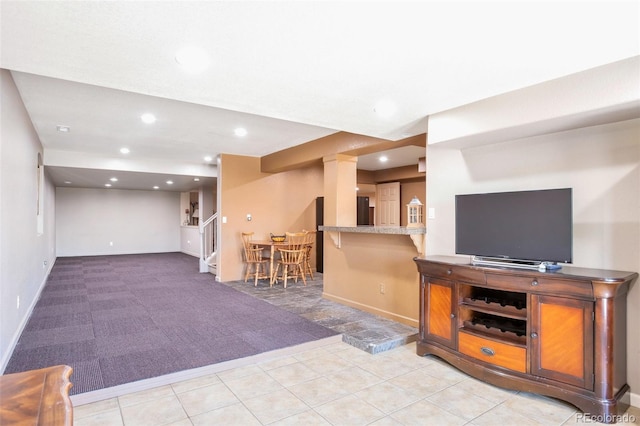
column 392, row 230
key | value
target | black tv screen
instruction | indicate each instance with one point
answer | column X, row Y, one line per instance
column 522, row 225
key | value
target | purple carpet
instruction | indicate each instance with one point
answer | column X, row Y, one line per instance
column 119, row 319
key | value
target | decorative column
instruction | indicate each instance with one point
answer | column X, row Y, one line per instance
column 340, row 196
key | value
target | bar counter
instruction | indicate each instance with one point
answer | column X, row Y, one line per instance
column 394, row 230
column 416, row 233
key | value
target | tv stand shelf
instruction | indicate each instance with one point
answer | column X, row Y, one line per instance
column 494, row 308
column 502, row 335
column 556, row 333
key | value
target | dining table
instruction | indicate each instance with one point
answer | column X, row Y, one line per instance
column 271, row 246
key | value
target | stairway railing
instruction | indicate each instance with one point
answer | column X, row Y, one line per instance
column 208, row 256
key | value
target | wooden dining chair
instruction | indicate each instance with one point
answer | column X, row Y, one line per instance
column 292, row 258
column 256, row 264
column 310, row 241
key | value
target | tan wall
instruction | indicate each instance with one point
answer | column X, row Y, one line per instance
column 285, row 201
column 277, row 202
column 354, row 273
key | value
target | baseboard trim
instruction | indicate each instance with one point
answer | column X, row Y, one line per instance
column 191, row 253
column 634, row 399
column 25, row 319
column 372, row 309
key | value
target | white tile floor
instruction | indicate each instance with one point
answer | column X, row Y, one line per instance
column 334, row 384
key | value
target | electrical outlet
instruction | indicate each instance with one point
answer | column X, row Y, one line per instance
column 111, row 243
column 381, row 288
column 44, row 264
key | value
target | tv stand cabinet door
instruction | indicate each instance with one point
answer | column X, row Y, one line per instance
column 561, row 340
column 438, row 297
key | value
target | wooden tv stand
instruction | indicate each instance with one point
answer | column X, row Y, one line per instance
column 560, row 334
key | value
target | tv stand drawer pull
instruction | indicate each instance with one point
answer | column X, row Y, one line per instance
column 534, row 283
column 513, row 357
column 487, row 351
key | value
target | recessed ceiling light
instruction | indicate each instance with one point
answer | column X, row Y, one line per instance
column 114, row 179
column 196, row 179
column 192, row 59
column 169, row 182
column 208, row 158
column 63, row 129
column 107, row 185
column 148, row 118
column 383, row 159
column 68, row 182
column 240, row 131
column 124, row 150
column 156, row 187
column 385, row 108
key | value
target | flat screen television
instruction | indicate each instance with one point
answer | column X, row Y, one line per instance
column 534, row 226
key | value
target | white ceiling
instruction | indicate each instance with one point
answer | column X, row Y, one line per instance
column 288, row 72
column 397, row 157
column 98, row 178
